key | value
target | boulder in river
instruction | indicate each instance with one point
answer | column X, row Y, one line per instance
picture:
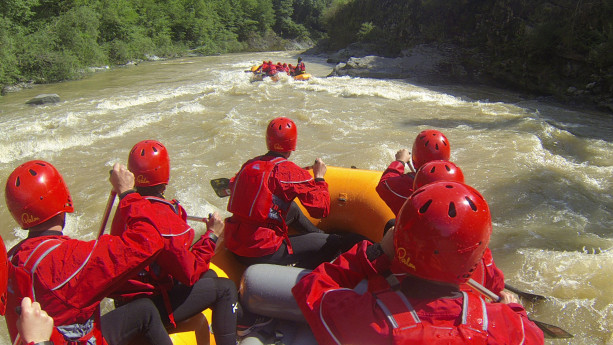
column 44, row 98
column 422, row 62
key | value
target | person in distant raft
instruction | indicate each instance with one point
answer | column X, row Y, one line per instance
column 179, row 281
column 396, row 184
column 441, row 235
column 69, row 277
column 300, row 68
column 261, row 68
column 263, row 207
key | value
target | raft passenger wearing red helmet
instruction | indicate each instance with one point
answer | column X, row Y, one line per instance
column 262, row 206
column 396, row 184
column 300, row 68
column 179, row 281
column 486, row 273
column 441, row 234
column 69, row 277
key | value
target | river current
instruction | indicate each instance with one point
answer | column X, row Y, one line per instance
column 545, row 170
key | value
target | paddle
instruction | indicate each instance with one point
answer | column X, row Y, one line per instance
column 198, row 219
column 525, row 295
column 107, row 213
column 220, row 186
column 550, row 331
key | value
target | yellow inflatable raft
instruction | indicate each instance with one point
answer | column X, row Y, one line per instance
column 257, row 76
column 355, row 207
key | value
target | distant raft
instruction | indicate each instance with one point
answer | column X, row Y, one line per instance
column 259, row 76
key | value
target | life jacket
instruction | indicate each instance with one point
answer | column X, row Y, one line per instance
column 253, row 201
column 152, row 274
column 251, row 198
column 407, row 328
column 20, row 285
column 176, row 208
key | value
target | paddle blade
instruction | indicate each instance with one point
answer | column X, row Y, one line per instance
column 525, row 295
column 220, row 186
column 551, row 331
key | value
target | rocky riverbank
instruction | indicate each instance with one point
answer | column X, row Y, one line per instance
column 446, row 63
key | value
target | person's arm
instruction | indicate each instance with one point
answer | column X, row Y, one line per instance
column 197, row 260
column 108, row 262
column 494, row 277
column 513, row 323
column 34, row 325
column 291, row 181
column 395, row 186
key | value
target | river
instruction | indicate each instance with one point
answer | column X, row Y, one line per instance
column 545, row 170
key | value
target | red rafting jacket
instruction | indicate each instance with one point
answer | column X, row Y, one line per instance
column 339, row 315
column 252, row 236
column 70, row 277
column 176, row 262
column 395, row 186
column 487, row 274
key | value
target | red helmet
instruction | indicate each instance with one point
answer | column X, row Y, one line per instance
column 150, row 164
column 281, row 135
column 437, row 171
column 428, row 146
column 35, row 192
column 442, row 232
column 4, row 276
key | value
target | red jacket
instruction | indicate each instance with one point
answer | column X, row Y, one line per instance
column 488, row 275
column 287, row 181
column 339, row 315
column 176, row 262
column 70, row 281
column 395, row 186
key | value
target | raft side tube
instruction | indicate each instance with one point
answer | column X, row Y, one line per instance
column 355, row 205
column 266, row 289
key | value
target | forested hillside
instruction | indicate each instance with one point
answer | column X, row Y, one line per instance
column 560, row 47
column 53, row 40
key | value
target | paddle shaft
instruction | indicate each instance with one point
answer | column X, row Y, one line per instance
column 107, row 212
column 198, row 219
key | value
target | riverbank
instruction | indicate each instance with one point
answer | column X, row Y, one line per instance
column 432, row 64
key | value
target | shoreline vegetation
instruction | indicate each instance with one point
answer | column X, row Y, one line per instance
column 559, row 49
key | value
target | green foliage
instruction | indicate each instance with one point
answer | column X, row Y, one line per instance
column 40, row 60
column 78, row 32
column 18, row 11
column 369, row 32
column 9, row 71
column 51, row 40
